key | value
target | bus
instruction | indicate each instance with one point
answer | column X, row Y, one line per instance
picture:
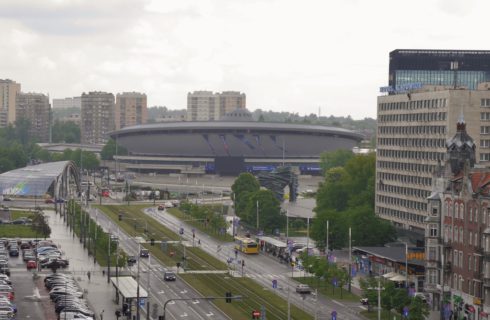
column 246, row 245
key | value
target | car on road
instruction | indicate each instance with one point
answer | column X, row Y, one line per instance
column 303, row 288
column 6, row 198
column 364, row 301
column 49, row 201
column 169, row 276
column 131, row 260
column 144, row 253
column 161, row 207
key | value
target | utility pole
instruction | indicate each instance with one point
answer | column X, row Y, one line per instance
column 326, row 245
column 350, row 258
column 149, row 289
column 257, row 215
column 138, row 285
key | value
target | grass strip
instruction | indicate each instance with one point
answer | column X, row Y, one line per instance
column 134, row 221
column 17, row 231
column 328, row 290
column 200, row 225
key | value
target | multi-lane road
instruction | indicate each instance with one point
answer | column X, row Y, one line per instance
column 262, row 269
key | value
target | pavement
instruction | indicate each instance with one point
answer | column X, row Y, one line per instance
column 99, row 294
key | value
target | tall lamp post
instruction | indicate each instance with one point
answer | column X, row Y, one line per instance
column 257, row 215
column 350, row 258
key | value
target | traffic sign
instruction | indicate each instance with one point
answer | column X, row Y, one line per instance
column 142, row 302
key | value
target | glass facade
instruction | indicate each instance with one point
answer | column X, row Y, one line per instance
column 468, row 79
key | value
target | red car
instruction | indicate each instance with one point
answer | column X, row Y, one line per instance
column 161, row 207
column 31, row 264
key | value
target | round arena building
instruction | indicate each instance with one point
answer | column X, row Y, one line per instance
column 230, row 146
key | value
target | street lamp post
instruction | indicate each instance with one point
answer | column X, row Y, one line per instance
column 109, row 258
column 350, row 258
column 149, row 289
column 138, row 285
column 307, row 236
column 406, row 265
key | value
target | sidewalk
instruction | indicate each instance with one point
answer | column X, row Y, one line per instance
column 99, row 294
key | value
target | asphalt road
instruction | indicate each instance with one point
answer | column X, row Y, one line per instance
column 264, row 269
column 151, row 272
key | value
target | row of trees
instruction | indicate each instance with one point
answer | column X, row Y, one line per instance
column 393, row 298
column 206, row 214
column 252, row 203
column 346, row 199
column 328, row 273
column 18, row 148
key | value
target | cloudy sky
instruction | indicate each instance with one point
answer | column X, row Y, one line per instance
column 286, row 55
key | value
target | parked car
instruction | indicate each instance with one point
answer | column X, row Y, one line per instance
column 161, row 207
column 364, row 301
column 49, row 201
column 31, row 264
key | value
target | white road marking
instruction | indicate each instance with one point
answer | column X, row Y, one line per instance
column 340, row 304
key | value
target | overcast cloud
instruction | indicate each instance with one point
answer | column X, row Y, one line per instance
column 295, row 56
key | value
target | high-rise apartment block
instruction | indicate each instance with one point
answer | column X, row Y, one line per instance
column 131, row 109
column 8, row 93
column 209, row 106
column 428, row 92
column 97, row 117
column 35, row 108
column 65, row 103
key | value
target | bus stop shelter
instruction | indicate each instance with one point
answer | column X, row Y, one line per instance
column 127, row 290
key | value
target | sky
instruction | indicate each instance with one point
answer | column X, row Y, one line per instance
column 309, row 56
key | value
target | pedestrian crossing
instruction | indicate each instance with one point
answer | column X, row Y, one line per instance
column 269, row 276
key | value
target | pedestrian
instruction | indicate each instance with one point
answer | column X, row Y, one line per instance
column 199, row 241
column 103, row 272
column 236, row 253
column 102, row 315
column 88, row 276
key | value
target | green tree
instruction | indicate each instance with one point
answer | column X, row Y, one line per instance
column 346, row 199
column 418, row 309
column 68, row 132
column 245, row 185
column 269, row 210
column 40, row 225
column 332, row 159
column 333, row 193
column 109, row 150
column 368, row 229
column 368, row 287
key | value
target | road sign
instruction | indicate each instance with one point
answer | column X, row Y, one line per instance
column 142, row 302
